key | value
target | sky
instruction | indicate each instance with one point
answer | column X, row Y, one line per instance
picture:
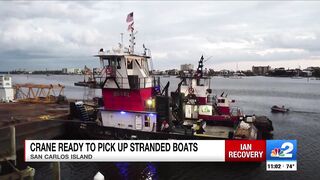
column 236, row 35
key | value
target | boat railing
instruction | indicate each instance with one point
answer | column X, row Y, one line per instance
column 236, row 111
column 134, row 82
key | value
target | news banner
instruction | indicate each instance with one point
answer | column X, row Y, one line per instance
column 279, row 155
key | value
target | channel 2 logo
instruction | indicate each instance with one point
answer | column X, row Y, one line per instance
column 281, row 155
column 284, row 152
column 281, row 150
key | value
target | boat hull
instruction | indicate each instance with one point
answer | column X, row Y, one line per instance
column 280, row 110
column 94, row 131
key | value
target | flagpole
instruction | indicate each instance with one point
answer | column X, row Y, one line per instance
column 121, row 34
column 132, row 40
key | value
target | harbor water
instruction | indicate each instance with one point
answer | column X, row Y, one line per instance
column 254, row 95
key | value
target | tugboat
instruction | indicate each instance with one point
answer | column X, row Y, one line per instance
column 136, row 107
column 199, row 104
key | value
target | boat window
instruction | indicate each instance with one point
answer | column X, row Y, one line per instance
column 118, row 61
column 129, row 64
column 137, row 61
column 106, row 62
column 221, row 101
column 146, row 121
column 111, row 62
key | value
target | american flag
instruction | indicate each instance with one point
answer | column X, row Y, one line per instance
column 130, row 17
column 130, row 27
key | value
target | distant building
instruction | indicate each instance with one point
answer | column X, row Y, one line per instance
column 6, row 90
column 64, row 70
column 71, row 71
column 172, row 72
column 224, row 72
column 315, row 71
column 77, row 71
column 312, row 69
column 186, row 67
column 260, row 70
column 155, row 72
column 307, row 73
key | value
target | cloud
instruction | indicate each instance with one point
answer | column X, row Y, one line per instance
column 35, row 34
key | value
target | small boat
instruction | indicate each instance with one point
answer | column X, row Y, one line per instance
column 279, row 109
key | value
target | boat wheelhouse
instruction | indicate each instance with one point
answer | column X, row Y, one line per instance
column 128, row 89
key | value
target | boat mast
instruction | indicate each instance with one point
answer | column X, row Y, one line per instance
column 132, row 42
column 199, row 72
column 121, row 40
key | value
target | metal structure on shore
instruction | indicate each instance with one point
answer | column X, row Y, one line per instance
column 38, row 93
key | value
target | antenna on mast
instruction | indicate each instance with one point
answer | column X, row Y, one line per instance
column 199, row 72
column 131, row 46
column 121, row 36
column 148, row 54
column 131, row 29
column 132, row 40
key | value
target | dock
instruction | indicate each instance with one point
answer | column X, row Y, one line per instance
column 20, row 121
column 31, row 121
